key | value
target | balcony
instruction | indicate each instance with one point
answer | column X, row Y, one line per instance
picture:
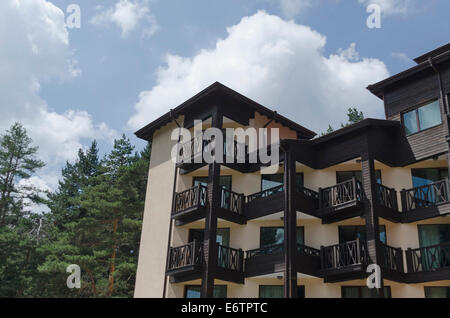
column 271, row 201
column 392, row 263
column 265, row 202
column 386, row 203
column 270, row 259
column 185, row 263
column 190, row 205
column 230, row 264
column 430, row 263
column 425, row 202
column 232, row 206
column 341, row 201
column 346, row 261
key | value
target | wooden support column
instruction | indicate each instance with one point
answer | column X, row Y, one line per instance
column 290, row 227
column 372, row 223
column 210, row 246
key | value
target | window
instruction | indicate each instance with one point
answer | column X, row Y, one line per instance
column 351, row 233
column 437, row 292
column 431, row 235
column 362, row 292
column 269, row 181
column 422, row 177
column 223, row 236
column 220, row 291
column 422, row 118
column 266, row 291
column 435, row 234
column 342, row 176
column 225, row 181
column 275, row 235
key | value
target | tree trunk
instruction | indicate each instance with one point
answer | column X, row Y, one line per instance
column 94, row 287
column 112, row 267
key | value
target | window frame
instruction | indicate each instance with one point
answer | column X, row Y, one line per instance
column 356, row 227
column 425, row 288
column 415, row 108
column 278, row 227
column 186, row 287
column 419, row 226
column 203, row 230
column 353, row 173
column 198, row 177
column 282, row 174
column 360, row 288
column 264, row 286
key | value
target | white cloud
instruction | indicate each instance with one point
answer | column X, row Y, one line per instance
column 127, row 15
column 35, row 48
column 291, row 8
column 391, row 7
column 402, row 56
column 277, row 63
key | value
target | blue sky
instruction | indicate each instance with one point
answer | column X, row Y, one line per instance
column 121, row 70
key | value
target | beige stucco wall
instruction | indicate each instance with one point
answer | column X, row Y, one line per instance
column 155, row 229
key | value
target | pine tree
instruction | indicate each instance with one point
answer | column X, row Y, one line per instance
column 17, row 161
column 20, row 230
column 99, row 209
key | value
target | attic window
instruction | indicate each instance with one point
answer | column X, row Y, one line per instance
column 422, row 118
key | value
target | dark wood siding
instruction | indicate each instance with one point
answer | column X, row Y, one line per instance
column 412, row 93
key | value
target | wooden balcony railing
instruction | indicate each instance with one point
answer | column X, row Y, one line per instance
column 343, row 255
column 279, row 248
column 192, row 148
column 387, row 197
column 425, row 196
column 191, row 198
column 265, row 194
column 230, row 258
column 185, row 256
column 340, row 194
column 308, row 250
column 392, row 258
column 430, row 258
column 308, row 192
column 231, row 201
column 266, row 250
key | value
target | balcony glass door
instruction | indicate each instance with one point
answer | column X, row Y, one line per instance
column 430, row 237
column 223, row 236
column 266, row 291
column 220, row 291
column 270, row 181
column 351, row 233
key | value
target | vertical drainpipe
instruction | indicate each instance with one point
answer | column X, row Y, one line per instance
column 173, row 204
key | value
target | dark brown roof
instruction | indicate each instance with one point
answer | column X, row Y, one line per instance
column 147, row 131
column 433, row 53
column 438, row 55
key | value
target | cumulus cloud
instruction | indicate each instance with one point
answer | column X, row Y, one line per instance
column 291, row 8
column 127, row 15
column 277, row 63
column 402, row 56
column 35, row 49
column 391, row 7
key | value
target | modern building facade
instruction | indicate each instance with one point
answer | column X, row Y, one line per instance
column 376, row 192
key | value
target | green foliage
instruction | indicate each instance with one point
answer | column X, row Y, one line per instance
column 94, row 221
column 354, row 116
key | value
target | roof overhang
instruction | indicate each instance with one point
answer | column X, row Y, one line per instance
column 218, row 92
